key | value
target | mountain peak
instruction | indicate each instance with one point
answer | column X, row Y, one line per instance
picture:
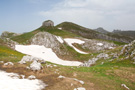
column 101, row 30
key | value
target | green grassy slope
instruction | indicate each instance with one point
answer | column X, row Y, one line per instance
column 76, row 29
column 24, row 38
column 58, row 32
column 7, row 54
column 92, row 34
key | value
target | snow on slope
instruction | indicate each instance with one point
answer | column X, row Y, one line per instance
column 45, row 53
column 10, row 81
column 71, row 41
column 59, row 39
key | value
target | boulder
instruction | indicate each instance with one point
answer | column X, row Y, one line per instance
column 35, row 66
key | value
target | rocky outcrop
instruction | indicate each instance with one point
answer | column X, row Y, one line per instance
column 6, row 37
column 49, row 41
column 28, row 58
column 10, row 43
column 129, row 51
column 48, row 23
column 7, row 34
column 97, row 45
column 93, row 60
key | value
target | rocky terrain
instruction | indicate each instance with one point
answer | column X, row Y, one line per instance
column 68, row 57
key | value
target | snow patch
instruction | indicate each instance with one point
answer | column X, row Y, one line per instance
column 78, row 41
column 45, row 53
column 59, row 39
column 11, row 81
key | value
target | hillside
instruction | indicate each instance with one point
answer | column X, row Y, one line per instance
column 92, row 34
column 65, row 57
column 130, row 34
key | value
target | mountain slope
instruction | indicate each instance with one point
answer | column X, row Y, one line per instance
column 91, row 34
column 8, row 54
column 125, row 33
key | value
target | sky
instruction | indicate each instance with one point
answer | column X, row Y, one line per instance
column 26, row 15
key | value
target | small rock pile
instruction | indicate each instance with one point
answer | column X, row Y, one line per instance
column 36, row 62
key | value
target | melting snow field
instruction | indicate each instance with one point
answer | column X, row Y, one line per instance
column 45, row 53
column 71, row 41
column 11, row 81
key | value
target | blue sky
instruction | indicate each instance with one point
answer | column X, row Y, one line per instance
column 26, row 15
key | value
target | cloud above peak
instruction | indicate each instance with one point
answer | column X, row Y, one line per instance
column 110, row 14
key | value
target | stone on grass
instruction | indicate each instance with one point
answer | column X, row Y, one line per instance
column 31, row 77
column 1, row 61
column 123, row 85
column 80, row 88
column 35, row 66
column 80, row 81
column 61, row 76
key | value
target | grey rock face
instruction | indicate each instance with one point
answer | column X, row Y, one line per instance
column 48, row 23
column 49, row 41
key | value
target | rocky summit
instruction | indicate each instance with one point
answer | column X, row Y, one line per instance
column 48, row 23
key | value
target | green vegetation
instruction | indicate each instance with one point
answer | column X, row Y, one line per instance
column 108, row 76
column 76, row 29
column 58, row 32
column 7, row 54
column 77, row 56
column 23, row 38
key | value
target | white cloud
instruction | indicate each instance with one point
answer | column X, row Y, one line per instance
column 110, row 14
